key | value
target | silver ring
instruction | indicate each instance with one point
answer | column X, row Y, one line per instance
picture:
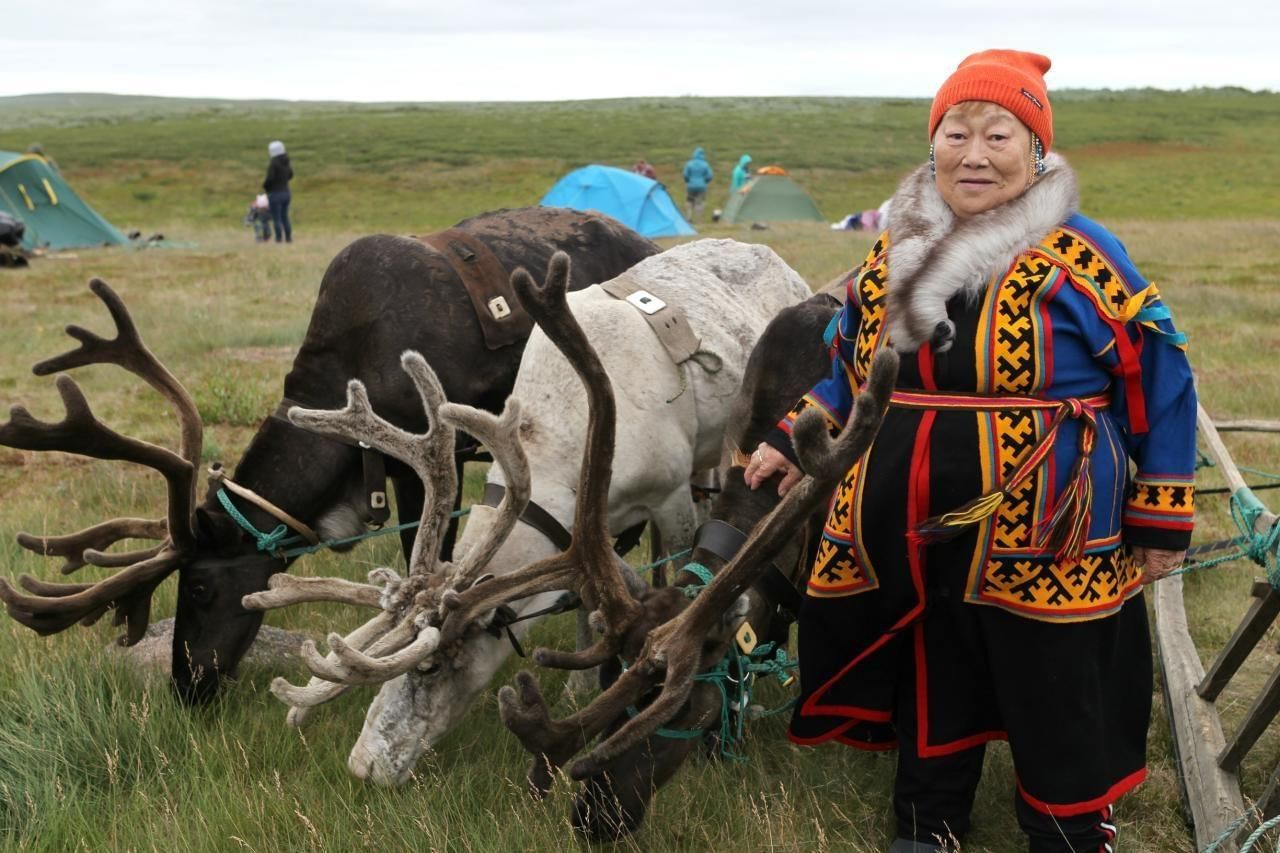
column 759, row 455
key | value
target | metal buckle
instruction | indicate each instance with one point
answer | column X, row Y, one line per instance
column 378, row 500
column 646, row 302
column 499, row 308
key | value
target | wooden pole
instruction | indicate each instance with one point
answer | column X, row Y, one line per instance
column 1213, row 794
column 1248, row 426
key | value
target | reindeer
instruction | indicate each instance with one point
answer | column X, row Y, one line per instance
column 672, row 424
column 380, row 296
column 790, row 357
column 666, row 638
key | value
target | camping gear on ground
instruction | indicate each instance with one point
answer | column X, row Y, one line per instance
column 771, row 197
column 55, row 217
column 636, row 201
column 11, row 230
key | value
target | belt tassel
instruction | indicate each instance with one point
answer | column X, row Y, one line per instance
column 942, row 528
column 1067, row 528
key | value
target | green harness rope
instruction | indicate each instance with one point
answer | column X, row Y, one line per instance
column 277, row 542
column 734, row 676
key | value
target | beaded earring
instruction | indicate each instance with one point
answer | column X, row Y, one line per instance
column 933, row 164
column 1037, row 154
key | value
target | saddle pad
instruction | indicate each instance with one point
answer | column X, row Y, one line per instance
column 667, row 321
column 503, row 320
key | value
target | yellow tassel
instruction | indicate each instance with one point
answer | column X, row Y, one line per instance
column 982, row 508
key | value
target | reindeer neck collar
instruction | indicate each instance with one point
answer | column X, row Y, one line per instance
column 935, row 256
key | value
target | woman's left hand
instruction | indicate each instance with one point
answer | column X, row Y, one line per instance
column 1157, row 563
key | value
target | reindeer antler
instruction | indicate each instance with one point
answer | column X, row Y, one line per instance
column 589, row 563
column 55, row 607
column 671, row 652
column 402, row 635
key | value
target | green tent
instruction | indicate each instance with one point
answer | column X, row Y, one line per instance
column 771, row 198
column 56, row 218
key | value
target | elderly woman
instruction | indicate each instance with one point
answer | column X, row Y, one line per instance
column 981, row 569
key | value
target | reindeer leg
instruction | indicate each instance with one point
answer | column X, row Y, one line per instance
column 675, row 521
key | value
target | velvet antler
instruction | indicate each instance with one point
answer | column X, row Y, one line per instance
column 53, row 607
column 671, row 654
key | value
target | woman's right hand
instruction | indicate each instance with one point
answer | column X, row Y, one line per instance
column 767, row 461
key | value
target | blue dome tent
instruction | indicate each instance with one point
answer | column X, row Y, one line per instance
column 634, row 200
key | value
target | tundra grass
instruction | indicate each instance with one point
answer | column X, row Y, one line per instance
column 1150, row 154
column 94, row 755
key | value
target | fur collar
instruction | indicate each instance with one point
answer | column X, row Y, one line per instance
column 933, row 256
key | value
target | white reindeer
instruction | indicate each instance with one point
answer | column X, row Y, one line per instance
column 670, row 423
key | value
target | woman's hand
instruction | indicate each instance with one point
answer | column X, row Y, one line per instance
column 1157, row 563
column 767, row 461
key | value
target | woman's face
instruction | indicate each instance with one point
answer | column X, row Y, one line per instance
column 983, row 157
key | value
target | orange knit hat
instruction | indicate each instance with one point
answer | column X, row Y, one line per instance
column 1011, row 78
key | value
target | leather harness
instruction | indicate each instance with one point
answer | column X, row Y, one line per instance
column 503, row 320
column 724, row 540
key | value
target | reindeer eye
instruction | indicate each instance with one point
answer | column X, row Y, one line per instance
column 200, row 593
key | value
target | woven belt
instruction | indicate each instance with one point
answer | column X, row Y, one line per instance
column 988, row 403
column 1067, row 526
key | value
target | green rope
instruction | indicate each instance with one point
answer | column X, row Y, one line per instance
column 1257, row 834
column 1262, row 548
column 269, row 542
column 700, row 572
column 673, row 556
column 1268, row 474
column 734, row 675
column 360, row 537
column 1226, row 833
column 276, row 541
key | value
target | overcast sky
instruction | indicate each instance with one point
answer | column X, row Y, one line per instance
column 379, row 50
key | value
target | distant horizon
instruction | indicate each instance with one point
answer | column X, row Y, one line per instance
column 587, row 99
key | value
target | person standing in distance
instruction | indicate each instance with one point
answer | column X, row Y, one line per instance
column 276, row 186
column 697, row 176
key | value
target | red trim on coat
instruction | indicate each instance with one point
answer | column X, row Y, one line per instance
column 1113, row 793
column 920, row 455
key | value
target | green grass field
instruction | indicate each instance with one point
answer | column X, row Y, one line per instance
column 94, row 756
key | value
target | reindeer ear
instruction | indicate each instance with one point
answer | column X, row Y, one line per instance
column 215, row 531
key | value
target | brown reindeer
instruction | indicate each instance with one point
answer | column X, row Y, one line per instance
column 790, row 357
column 380, row 296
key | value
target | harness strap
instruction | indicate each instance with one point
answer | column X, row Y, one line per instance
column 545, row 523
column 534, row 516
column 372, row 462
column 505, row 616
column 219, row 476
column 503, row 320
column 668, row 322
column 724, row 540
